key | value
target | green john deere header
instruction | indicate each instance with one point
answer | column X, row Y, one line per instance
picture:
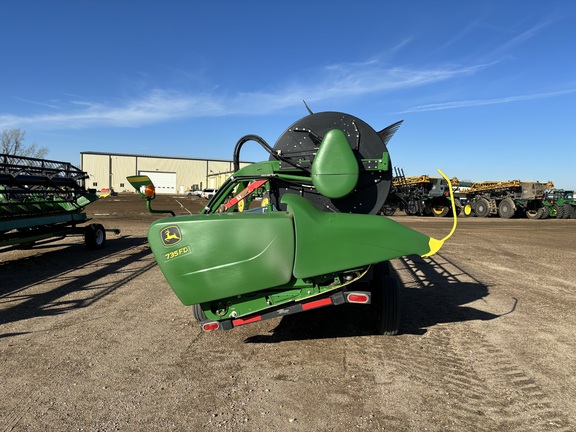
column 293, row 233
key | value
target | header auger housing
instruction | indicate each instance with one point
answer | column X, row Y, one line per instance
column 296, row 232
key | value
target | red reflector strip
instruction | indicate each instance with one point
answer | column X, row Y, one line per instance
column 210, row 326
column 247, row 191
column 318, row 303
column 242, row 321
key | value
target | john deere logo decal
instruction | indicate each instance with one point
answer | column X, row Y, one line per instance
column 170, row 236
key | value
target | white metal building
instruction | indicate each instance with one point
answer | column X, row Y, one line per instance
column 171, row 175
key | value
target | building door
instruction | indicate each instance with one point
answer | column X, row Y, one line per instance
column 165, row 182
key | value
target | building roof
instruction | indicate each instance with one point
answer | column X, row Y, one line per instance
column 156, row 156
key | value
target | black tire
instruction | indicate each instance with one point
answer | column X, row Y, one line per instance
column 543, row 213
column 95, row 236
column 482, row 207
column 467, row 210
column 385, row 300
column 533, row 213
column 412, row 208
column 388, row 210
column 569, row 212
column 25, row 245
column 559, row 211
column 440, row 210
column 198, row 313
column 506, row 208
column 457, row 207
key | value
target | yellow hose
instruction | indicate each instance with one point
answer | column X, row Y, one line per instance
column 435, row 244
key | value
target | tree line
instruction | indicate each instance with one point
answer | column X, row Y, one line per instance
column 13, row 144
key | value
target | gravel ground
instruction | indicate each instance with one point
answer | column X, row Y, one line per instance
column 97, row 341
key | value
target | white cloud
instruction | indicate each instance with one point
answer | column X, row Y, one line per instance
column 335, row 81
column 155, row 107
column 480, row 102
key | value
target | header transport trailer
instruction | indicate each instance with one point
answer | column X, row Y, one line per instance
column 294, row 233
column 43, row 200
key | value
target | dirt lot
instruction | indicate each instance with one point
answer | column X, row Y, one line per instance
column 97, row 341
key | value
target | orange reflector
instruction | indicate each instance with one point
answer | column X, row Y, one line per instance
column 317, row 303
column 210, row 326
column 150, row 191
column 357, row 298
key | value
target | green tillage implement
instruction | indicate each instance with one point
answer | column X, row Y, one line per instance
column 43, row 200
column 313, row 240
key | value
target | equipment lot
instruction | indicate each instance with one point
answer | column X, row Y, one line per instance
column 97, row 341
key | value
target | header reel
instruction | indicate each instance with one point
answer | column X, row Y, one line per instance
column 336, row 161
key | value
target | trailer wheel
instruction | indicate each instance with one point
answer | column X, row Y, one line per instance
column 533, row 213
column 482, row 208
column 26, row 232
column 198, row 313
column 386, row 300
column 506, row 209
column 95, row 236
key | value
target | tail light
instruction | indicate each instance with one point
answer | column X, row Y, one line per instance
column 210, row 326
column 358, row 297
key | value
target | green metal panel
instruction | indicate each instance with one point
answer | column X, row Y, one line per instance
column 242, row 305
column 30, row 222
column 335, row 170
column 209, row 257
column 331, row 242
column 258, row 169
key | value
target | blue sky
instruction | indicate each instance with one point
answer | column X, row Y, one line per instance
column 486, row 89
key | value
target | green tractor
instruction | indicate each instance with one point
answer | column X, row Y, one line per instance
column 560, row 204
column 294, row 233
